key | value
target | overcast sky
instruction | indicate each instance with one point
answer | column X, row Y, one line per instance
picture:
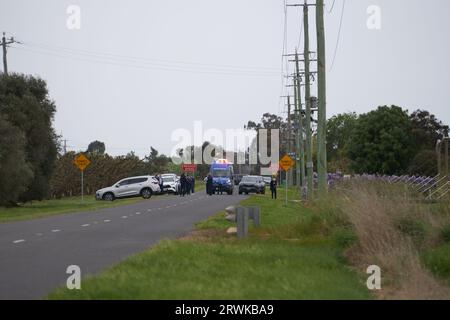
column 137, row 70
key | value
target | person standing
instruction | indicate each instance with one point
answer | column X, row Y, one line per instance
column 273, row 187
column 183, row 183
column 188, row 185
column 209, row 185
column 192, row 184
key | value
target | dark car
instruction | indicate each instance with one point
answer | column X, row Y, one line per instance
column 252, row 184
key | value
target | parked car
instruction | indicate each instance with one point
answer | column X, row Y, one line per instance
column 267, row 180
column 169, row 183
column 144, row 186
column 252, row 184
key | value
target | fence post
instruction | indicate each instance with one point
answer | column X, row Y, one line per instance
column 242, row 222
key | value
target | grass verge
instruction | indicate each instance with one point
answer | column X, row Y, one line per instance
column 45, row 208
column 290, row 257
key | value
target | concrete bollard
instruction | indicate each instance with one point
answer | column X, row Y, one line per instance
column 255, row 215
column 242, row 222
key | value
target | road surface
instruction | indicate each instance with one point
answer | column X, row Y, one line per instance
column 35, row 254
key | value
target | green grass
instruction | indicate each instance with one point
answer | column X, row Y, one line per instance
column 45, row 208
column 290, row 257
column 437, row 261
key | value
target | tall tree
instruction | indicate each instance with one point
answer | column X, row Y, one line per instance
column 340, row 130
column 25, row 102
column 15, row 172
column 382, row 142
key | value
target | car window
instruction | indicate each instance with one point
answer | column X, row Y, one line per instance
column 124, row 182
column 137, row 180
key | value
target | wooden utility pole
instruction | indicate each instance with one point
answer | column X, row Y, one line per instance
column 3, row 44
column 301, row 147
column 322, row 103
column 298, row 144
column 308, row 144
column 446, row 158
column 439, row 157
column 289, row 149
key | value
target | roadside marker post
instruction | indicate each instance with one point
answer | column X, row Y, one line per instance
column 82, row 162
column 286, row 163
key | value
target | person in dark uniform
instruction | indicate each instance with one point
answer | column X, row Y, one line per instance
column 188, row 185
column 273, row 187
column 192, row 184
column 183, row 183
column 209, row 184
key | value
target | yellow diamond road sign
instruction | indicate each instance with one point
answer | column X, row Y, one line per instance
column 287, row 163
column 82, row 162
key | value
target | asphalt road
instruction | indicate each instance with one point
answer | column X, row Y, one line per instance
column 35, row 254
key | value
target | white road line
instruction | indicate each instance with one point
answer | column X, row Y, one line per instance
column 124, row 217
column 56, row 230
column 19, row 241
column 95, row 222
column 39, row 234
column 138, row 213
column 149, row 210
column 106, row 220
column 85, row 225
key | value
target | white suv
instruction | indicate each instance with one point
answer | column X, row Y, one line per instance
column 144, row 186
column 169, row 183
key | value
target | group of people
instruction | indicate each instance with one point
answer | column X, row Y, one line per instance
column 187, row 185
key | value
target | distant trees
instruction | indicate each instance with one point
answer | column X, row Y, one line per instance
column 103, row 171
column 96, row 147
column 27, row 114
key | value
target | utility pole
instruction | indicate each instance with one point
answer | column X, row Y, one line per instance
column 297, row 101
column 322, row 111
column 289, row 149
column 439, row 157
column 308, row 144
column 300, row 147
column 446, row 158
column 3, row 44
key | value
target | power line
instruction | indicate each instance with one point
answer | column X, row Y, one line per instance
column 141, row 59
column 338, row 37
column 332, row 7
column 143, row 65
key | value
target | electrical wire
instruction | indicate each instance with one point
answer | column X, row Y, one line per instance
column 63, row 49
column 332, row 7
column 338, row 37
column 144, row 65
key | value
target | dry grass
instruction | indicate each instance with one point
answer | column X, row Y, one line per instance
column 391, row 229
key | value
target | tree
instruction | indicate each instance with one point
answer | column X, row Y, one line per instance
column 96, row 147
column 25, row 102
column 382, row 142
column 426, row 129
column 340, row 130
column 15, row 171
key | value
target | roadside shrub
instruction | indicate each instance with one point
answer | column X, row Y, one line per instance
column 412, row 228
column 445, row 233
column 345, row 237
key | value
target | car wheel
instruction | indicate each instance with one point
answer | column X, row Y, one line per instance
column 240, row 192
column 146, row 193
column 246, row 193
column 109, row 196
